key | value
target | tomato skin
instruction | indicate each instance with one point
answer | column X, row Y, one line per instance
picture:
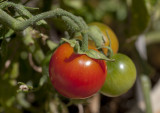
column 121, row 76
column 74, row 75
column 113, row 37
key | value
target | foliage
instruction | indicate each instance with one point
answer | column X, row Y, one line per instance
column 25, row 51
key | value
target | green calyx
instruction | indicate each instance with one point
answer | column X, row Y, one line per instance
column 75, row 43
column 96, row 35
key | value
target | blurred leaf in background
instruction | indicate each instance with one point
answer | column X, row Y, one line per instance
column 139, row 17
column 127, row 18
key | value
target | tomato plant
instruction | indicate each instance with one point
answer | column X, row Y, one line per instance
column 112, row 36
column 121, row 76
column 74, row 75
column 103, row 28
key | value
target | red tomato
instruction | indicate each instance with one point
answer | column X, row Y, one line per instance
column 74, row 75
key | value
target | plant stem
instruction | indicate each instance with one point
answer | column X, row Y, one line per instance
column 152, row 37
column 110, row 51
column 84, row 46
column 21, row 25
column 7, row 19
column 19, row 8
column 96, row 35
column 146, row 86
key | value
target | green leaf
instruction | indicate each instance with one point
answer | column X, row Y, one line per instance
column 45, row 74
column 90, row 53
column 97, row 55
column 51, row 44
column 22, row 101
column 76, row 4
column 7, row 33
column 140, row 17
column 46, row 60
column 15, row 70
column 72, row 42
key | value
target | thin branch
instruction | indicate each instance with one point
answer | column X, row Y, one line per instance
column 146, row 86
column 18, row 7
column 95, row 103
column 80, row 108
column 36, row 68
column 7, row 64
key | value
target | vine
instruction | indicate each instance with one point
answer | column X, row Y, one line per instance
column 74, row 24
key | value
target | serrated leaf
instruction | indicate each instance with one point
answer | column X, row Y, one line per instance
column 71, row 42
column 97, row 55
column 90, row 53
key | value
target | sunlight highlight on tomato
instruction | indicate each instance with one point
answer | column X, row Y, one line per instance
column 121, row 76
column 74, row 75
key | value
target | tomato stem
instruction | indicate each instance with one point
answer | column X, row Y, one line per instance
column 74, row 23
column 84, row 46
column 110, row 51
column 96, row 35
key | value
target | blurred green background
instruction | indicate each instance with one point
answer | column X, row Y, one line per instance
column 24, row 56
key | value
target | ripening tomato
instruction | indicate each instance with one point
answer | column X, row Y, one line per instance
column 103, row 28
column 121, row 76
column 113, row 37
column 74, row 75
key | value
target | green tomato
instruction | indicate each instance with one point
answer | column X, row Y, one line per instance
column 121, row 76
